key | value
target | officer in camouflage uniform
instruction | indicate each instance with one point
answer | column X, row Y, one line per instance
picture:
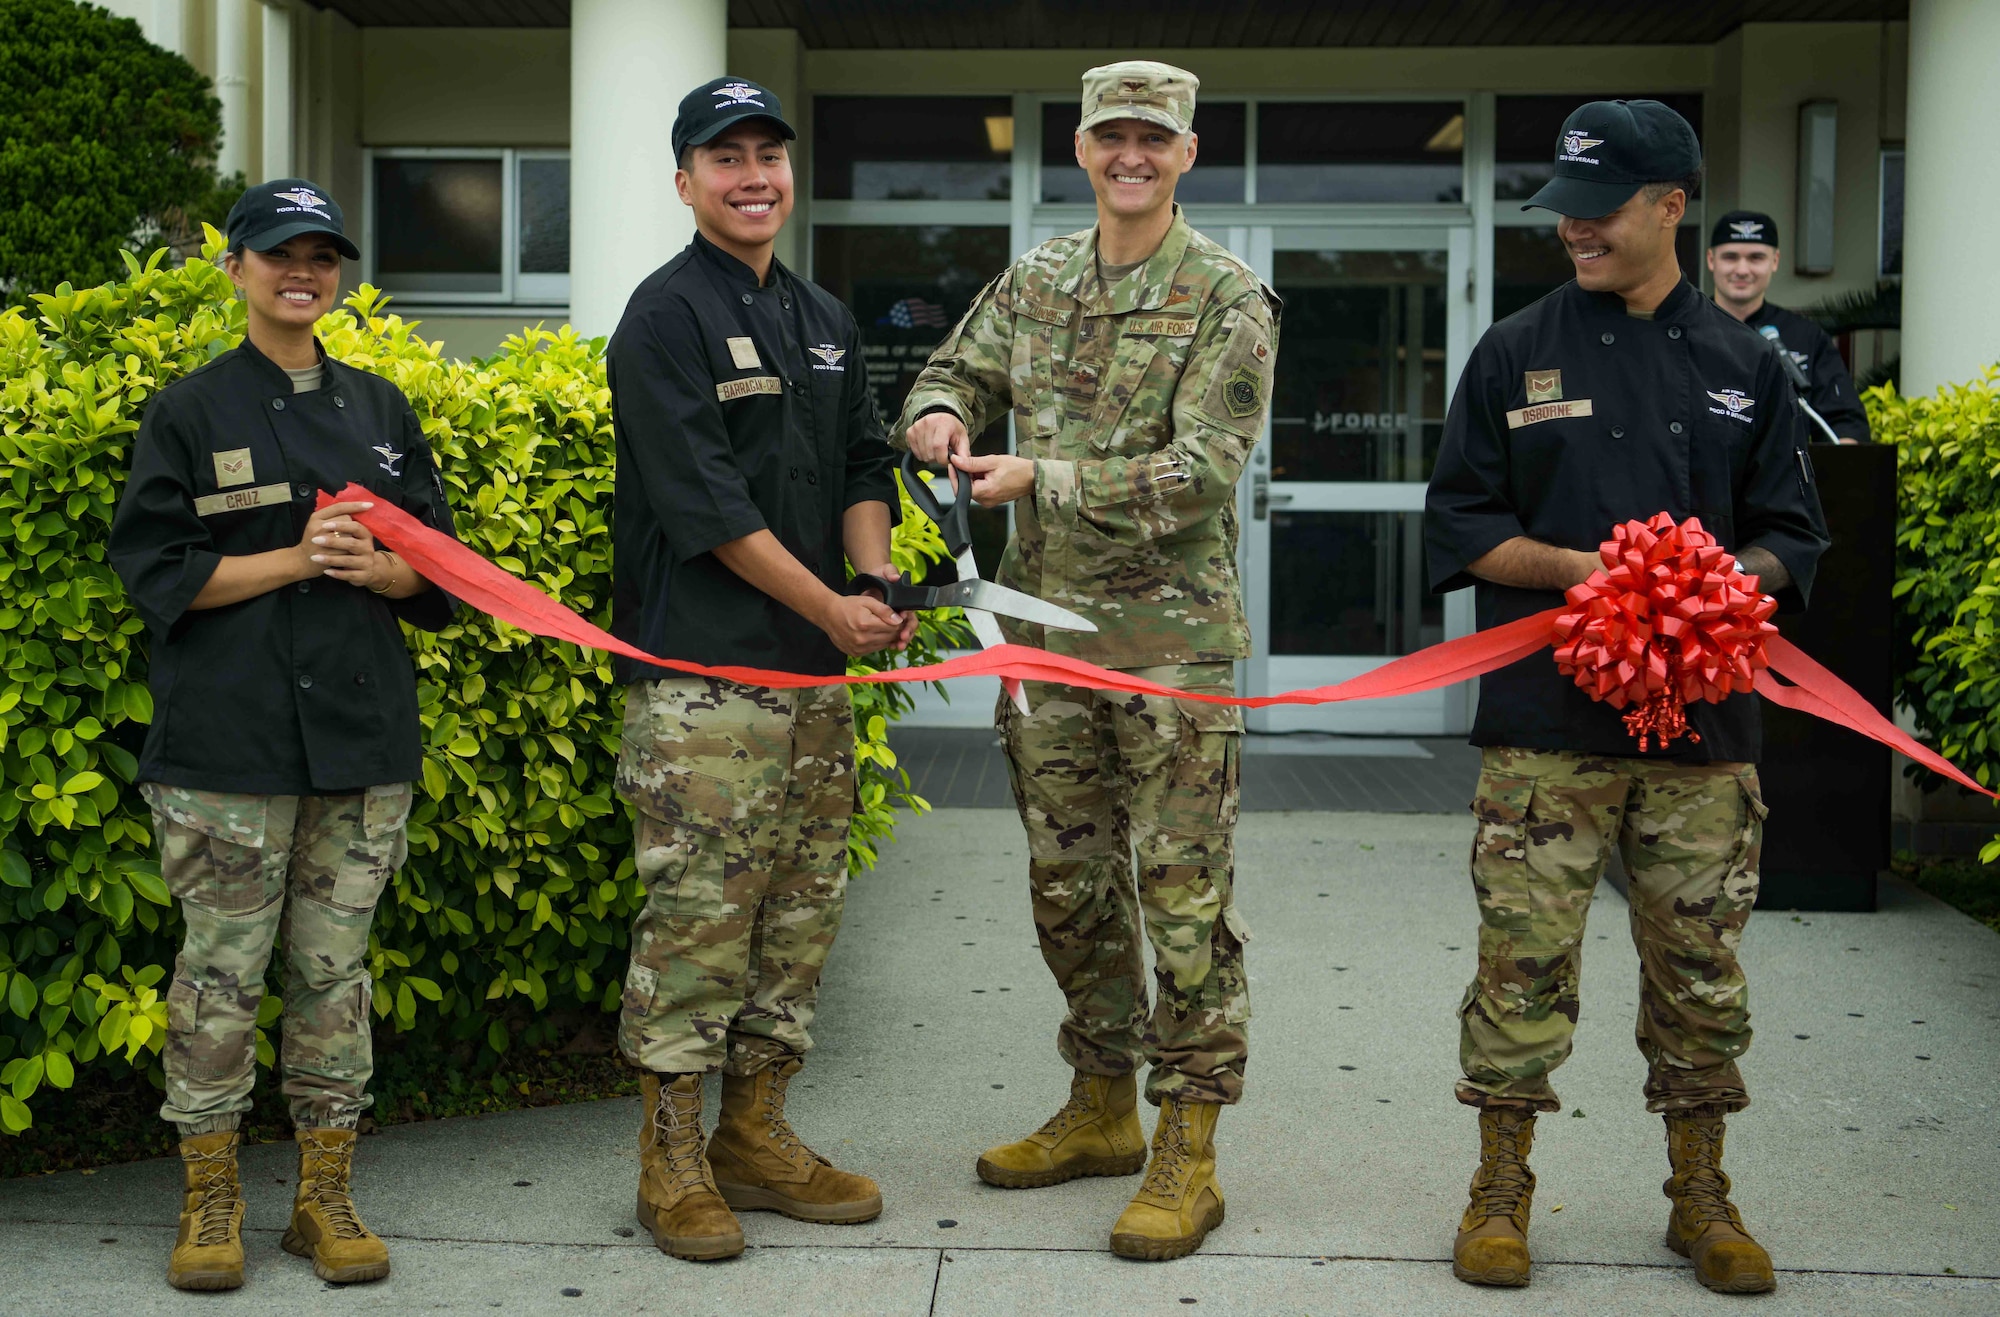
column 285, row 736
column 1136, row 358
column 1598, row 405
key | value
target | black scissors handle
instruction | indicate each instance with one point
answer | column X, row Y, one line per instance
column 900, row 596
column 955, row 523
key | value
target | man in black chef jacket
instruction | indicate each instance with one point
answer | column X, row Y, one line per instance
column 1743, row 254
column 1620, row 395
column 751, row 466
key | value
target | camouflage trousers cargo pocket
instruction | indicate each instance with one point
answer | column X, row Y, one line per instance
column 1690, row 837
column 705, row 755
column 248, row 869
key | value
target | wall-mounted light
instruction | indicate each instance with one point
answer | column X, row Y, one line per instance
column 1449, row 137
column 1000, row 133
column 1819, row 123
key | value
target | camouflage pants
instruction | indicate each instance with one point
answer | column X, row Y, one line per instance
column 1689, row 835
column 744, row 797
column 247, row 868
column 1099, row 777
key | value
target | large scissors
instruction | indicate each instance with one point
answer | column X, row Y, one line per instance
column 980, row 599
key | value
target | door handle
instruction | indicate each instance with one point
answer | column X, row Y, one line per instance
column 1262, row 499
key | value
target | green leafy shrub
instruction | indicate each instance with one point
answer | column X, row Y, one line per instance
column 1948, row 567
column 107, row 142
column 514, row 907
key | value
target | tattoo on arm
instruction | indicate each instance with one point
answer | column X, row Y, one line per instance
column 1764, row 565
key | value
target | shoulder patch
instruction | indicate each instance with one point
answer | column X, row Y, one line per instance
column 1243, row 392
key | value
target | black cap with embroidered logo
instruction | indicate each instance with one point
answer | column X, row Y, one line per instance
column 1608, row 150
column 713, row 106
column 282, row 209
column 1744, row 226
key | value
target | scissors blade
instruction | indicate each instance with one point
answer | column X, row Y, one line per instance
column 987, row 632
column 976, row 594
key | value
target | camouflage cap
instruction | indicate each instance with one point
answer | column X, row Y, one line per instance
column 1139, row 89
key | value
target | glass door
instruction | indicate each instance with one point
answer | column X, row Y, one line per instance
column 1376, row 328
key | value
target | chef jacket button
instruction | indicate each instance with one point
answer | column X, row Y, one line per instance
column 303, row 489
column 785, row 302
column 1607, row 338
column 1674, row 331
column 795, row 473
column 305, row 587
column 1617, row 432
column 812, row 477
column 747, row 299
column 1674, row 426
column 305, row 681
column 277, row 404
column 361, row 679
column 339, row 401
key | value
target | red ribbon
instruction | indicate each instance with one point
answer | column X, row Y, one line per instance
column 1712, row 642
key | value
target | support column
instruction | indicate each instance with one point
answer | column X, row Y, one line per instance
column 232, row 85
column 1951, row 284
column 278, row 150
column 631, row 61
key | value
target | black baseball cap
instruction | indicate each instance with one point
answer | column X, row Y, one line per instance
column 284, row 208
column 713, row 106
column 1745, row 226
column 1608, row 150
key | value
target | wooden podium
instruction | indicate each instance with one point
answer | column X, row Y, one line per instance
column 1827, row 840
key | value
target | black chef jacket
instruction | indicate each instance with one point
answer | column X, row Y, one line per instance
column 306, row 689
column 1684, row 414
column 1832, row 393
column 736, row 408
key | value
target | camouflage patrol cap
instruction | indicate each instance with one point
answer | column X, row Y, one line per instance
column 1139, row 89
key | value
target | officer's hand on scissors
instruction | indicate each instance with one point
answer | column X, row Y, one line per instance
column 338, row 546
column 862, row 624
column 939, row 437
column 998, row 478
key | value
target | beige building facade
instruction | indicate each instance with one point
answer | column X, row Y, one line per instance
column 506, row 163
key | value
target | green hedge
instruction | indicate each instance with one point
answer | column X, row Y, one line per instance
column 1948, row 567
column 515, row 905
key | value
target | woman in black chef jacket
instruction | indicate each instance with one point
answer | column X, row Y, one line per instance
column 285, row 739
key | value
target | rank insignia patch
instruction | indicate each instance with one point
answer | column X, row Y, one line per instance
column 233, row 468
column 1544, row 386
column 1243, row 392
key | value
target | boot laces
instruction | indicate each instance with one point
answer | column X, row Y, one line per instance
column 1073, row 1112
column 1503, row 1179
column 327, row 1168
column 1699, row 1182
column 790, row 1145
column 1172, row 1153
column 677, row 1133
column 216, row 1208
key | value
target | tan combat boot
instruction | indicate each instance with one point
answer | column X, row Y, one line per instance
column 1492, row 1243
column 208, row 1253
column 677, row 1197
column 1705, row 1227
column 1096, row 1132
column 760, row 1165
column 1180, row 1202
column 325, row 1226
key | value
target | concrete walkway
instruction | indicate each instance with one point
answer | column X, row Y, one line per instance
column 1870, row 1164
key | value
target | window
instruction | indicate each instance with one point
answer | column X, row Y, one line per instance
column 1218, row 173
column 907, row 285
column 469, row 225
column 1890, row 258
column 913, row 148
column 1526, row 128
column 1361, row 151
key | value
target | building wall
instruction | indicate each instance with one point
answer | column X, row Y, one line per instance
column 465, row 87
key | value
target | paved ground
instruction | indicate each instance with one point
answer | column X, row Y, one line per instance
column 1870, row 1164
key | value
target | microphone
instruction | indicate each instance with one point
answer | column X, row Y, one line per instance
column 1793, row 372
column 1800, row 385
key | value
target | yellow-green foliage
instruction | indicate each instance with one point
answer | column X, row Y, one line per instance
column 520, row 885
column 1948, row 567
